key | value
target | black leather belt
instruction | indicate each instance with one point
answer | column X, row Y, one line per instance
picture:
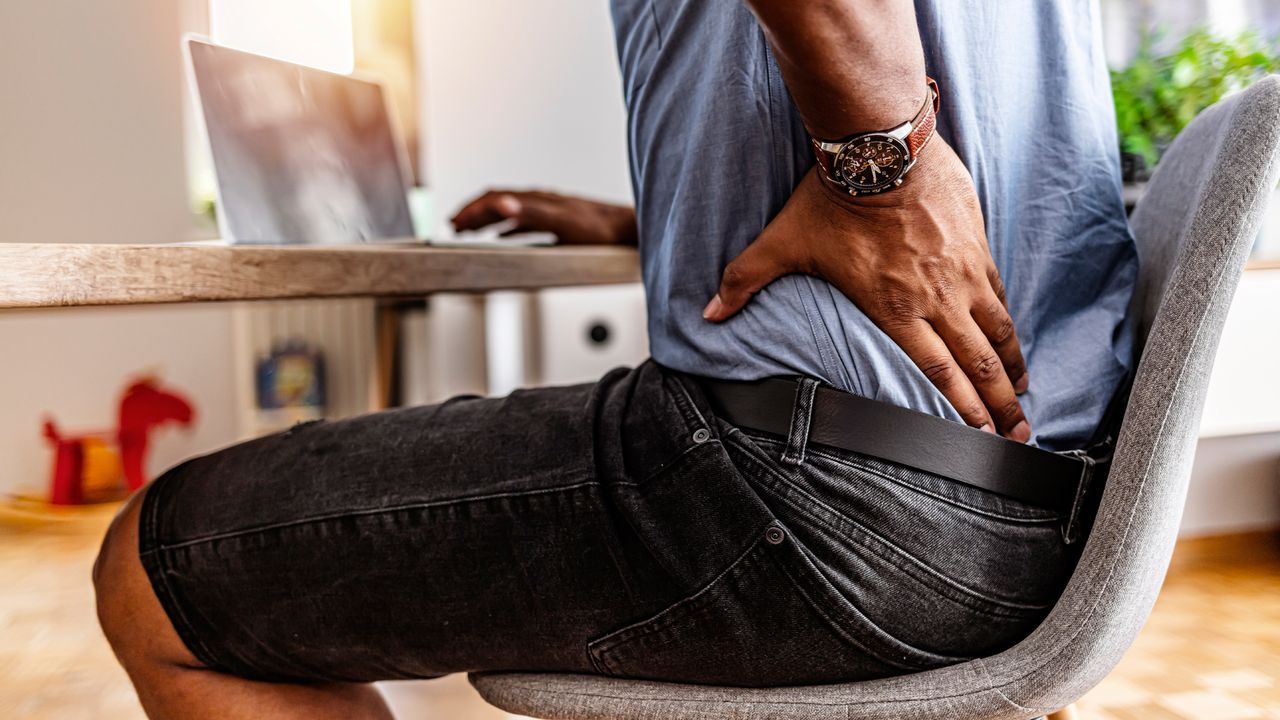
column 950, row 449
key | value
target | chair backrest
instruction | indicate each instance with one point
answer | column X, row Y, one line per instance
column 1195, row 226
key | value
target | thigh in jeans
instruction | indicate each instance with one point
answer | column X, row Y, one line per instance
column 942, row 568
column 478, row 534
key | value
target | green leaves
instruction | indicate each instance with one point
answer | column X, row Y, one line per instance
column 1158, row 93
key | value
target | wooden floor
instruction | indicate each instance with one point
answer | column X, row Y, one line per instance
column 1210, row 652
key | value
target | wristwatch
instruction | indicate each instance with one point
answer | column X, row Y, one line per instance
column 869, row 163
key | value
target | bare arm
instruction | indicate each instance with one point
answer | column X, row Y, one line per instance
column 915, row 259
column 850, row 66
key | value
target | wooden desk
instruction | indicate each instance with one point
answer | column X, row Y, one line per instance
column 55, row 275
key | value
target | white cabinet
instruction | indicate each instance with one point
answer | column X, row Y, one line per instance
column 582, row 333
column 495, row 343
column 1244, row 390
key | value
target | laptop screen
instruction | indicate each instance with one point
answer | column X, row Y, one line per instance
column 301, row 155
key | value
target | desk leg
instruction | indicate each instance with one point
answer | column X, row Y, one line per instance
column 384, row 388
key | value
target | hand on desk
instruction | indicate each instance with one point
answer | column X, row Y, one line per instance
column 573, row 220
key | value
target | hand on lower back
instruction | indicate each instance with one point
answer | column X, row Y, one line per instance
column 915, row 260
column 573, row 220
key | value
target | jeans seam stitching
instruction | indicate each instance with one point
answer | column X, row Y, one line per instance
column 687, row 404
column 1023, row 519
column 371, row 511
column 156, row 565
column 661, row 619
column 835, row 624
column 941, row 498
column 667, row 467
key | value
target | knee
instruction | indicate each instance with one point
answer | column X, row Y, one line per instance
column 118, row 579
column 134, row 622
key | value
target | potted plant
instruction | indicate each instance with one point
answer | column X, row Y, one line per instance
column 1158, row 93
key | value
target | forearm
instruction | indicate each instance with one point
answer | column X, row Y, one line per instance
column 851, row 65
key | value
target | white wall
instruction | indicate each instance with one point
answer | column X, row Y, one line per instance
column 91, row 122
column 1235, row 486
column 1244, row 389
column 521, row 94
column 91, row 150
column 1122, row 21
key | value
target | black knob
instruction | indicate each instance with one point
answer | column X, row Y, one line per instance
column 598, row 333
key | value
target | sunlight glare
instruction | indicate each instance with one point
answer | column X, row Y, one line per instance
column 308, row 32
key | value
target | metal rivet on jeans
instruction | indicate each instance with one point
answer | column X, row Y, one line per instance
column 775, row 535
column 701, row 435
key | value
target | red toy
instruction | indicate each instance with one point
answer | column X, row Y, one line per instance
column 89, row 461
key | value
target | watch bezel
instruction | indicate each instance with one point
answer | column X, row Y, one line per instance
column 889, row 182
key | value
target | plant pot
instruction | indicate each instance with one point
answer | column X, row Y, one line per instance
column 1133, row 168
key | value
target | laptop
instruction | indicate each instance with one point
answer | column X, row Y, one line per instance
column 302, row 156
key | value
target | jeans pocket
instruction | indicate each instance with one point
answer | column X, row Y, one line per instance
column 941, row 567
column 769, row 619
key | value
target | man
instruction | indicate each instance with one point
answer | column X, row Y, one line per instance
column 635, row 527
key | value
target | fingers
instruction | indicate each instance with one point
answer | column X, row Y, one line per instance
column 745, row 276
column 491, row 207
column 992, row 317
column 528, row 211
column 930, row 353
column 534, row 214
column 985, row 371
column 997, row 285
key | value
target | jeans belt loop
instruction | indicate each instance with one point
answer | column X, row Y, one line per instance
column 1073, row 524
column 801, row 416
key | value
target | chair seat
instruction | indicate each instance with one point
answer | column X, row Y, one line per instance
column 947, row 694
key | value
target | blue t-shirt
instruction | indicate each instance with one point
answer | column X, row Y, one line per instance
column 717, row 147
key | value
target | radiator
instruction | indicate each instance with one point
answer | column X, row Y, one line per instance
column 343, row 330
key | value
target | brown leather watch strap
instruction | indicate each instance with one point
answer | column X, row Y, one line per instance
column 925, row 122
column 923, row 126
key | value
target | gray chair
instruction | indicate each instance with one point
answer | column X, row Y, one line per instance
column 1195, row 226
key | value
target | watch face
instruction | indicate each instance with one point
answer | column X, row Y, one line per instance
column 872, row 163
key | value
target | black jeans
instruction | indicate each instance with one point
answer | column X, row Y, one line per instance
column 616, row 528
